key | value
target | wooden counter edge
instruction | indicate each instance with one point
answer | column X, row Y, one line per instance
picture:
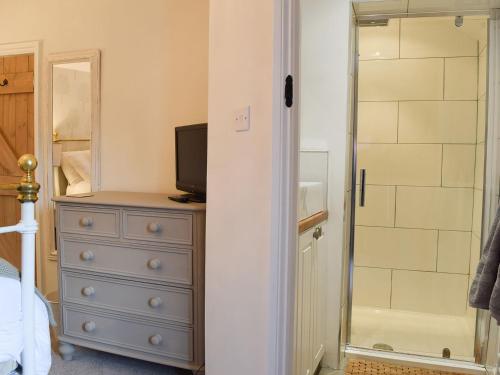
column 311, row 221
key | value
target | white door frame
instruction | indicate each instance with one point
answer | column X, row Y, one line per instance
column 21, row 48
column 285, row 167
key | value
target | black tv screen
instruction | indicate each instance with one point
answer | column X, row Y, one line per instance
column 191, row 158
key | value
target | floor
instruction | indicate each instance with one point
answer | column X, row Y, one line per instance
column 363, row 367
column 90, row 362
column 413, row 332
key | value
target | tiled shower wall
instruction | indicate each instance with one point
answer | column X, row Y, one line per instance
column 421, row 126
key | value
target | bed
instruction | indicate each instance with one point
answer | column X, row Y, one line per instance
column 24, row 325
column 11, row 337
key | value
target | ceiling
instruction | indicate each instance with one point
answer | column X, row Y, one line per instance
column 401, row 7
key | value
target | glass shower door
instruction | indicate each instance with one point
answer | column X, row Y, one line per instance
column 420, row 144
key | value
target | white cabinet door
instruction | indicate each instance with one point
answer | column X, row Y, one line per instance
column 319, row 296
column 304, row 296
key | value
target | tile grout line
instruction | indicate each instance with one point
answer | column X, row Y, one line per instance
column 444, row 77
column 418, row 58
column 390, row 293
column 419, row 143
column 437, row 250
column 414, row 228
column 395, row 204
column 411, row 270
column 442, row 163
column 425, row 186
column 417, row 100
column 397, row 124
column 399, row 41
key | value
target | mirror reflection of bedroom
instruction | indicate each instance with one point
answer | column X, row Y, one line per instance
column 71, row 128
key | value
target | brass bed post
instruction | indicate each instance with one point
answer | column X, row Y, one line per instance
column 28, row 188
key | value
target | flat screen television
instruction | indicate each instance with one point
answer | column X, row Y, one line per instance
column 191, row 162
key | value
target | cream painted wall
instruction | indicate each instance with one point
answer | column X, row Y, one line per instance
column 238, row 268
column 324, row 119
column 154, row 74
column 154, row 77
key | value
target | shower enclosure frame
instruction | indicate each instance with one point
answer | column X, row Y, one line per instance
column 482, row 326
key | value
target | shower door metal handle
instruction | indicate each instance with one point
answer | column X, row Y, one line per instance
column 362, row 187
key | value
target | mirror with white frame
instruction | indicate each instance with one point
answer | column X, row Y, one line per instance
column 74, row 85
column 74, row 127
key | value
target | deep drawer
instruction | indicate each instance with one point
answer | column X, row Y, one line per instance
column 96, row 222
column 158, row 227
column 125, row 332
column 174, row 304
column 167, row 265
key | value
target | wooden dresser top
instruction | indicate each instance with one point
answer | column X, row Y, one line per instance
column 142, row 200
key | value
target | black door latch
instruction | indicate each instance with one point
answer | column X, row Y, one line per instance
column 289, row 91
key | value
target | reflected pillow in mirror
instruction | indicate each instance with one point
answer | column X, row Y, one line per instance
column 76, row 166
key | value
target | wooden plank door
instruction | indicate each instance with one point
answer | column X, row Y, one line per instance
column 16, row 139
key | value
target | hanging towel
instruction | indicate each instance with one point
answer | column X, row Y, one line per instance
column 9, row 271
column 485, row 289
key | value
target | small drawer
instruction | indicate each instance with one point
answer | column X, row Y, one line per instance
column 96, row 222
column 158, row 227
column 125, row 332
column 166, row 265
column 158, row 302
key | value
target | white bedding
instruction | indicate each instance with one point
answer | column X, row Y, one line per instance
column 11, row 340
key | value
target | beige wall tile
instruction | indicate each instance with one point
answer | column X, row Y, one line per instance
column 377, row 122
column 479, row 169
column 431, row 292
column 437, row 37
column 477, row 28
column 481, row 120
column 401, row 164
column 460, row 78
column 410, row 249
column 434, row 208
column 454, row 252
column 482, row 75
column 477, row 219
column 372, row 287
column 390, row 80
column 380, row 206
column 379, row 42
column 475, row 254
column 437, row 122
column 459, row 162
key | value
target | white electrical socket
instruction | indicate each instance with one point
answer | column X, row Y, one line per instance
column 242, row 120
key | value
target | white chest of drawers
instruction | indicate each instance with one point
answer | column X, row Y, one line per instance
column 131, row 276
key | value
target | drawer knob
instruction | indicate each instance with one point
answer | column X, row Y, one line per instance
column 88, row 291
column 154, row 228
column 89, row 326
column 155, row 302
column 155, row 340
column 87, row 255
column 154, row 264
column 86, row 222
